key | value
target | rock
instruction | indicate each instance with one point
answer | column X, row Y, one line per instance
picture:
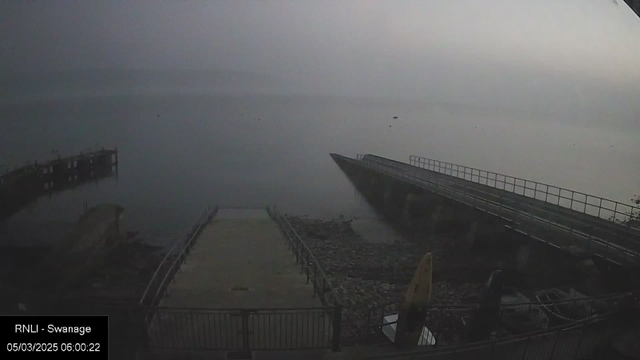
column 368, row 275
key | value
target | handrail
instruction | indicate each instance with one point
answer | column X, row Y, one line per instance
column 461, row 307
column 596, row 306
column 305, row 257
column 496, row 343
column 179, row 250
column 476, row 175
column 607, row 224
column 525, row 320
column 489, row 194
column 461, row 192
column 307, row 260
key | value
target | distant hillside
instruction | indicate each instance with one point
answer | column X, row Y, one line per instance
column 20, row 85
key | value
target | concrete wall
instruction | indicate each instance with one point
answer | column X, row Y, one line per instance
column 413, row 206
column 417, row 209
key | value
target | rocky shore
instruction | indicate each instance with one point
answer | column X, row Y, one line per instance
column 371, row 275
column 124, row 275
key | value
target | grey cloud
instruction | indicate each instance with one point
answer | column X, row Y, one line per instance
column 538, row 54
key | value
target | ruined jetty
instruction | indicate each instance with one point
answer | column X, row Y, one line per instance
column 24, row 185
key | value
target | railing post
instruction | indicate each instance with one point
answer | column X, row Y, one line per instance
column 367, row 335
column 337, row 328
column 553, row 350
column 245, row 329
column 577, row 353
column 324, row 287
column 307, row 267
column 572, row 195
column 600, row 208
column 493, row 347
column 315, row 279
column 526, row 346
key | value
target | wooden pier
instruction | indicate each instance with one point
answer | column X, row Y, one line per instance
column 23, row 185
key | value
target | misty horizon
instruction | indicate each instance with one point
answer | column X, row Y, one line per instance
column 564, row 57
column 49, row 85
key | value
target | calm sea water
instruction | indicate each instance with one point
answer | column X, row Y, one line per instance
column 180, row 153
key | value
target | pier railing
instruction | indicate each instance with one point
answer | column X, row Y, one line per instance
column 25, row 184
column 150, row 327
column 310, row 266
column 173, row 260
column 577, row 201
column 242, row 329
column 564, row 229
column 451, row 324
column 572, row 341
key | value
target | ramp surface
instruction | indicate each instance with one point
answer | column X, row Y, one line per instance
column 240, row 261
column 240, row 289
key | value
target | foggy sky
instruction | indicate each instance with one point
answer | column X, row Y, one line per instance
column 496, row 51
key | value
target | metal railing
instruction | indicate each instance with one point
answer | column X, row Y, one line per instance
column 600, row 207
column 242, row 329
column 293, row 328
column 451, row 324
column 309, row 265
column 573, row 341
column 126, row 324
column 564, row 230
column 173, row 260
column 138, row 327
